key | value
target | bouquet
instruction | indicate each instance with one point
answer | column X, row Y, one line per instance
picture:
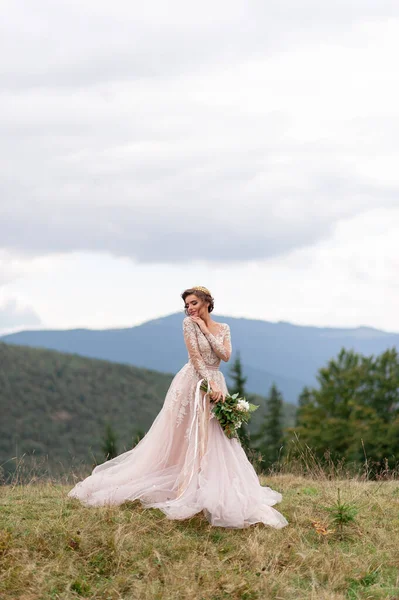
column 231, row 413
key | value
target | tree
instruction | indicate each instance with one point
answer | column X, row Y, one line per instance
column 109, row 445
column 355, row 409
column 305, row 398
column 270, row 435
column 238, row 387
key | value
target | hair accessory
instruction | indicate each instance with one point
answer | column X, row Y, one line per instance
column 202, row 289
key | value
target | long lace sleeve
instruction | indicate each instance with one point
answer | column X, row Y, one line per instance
column 190, row 338
column 222, row 349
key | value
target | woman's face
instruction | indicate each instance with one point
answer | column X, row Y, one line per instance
column 195, row 307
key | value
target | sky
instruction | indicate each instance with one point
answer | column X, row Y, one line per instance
column 247, row 146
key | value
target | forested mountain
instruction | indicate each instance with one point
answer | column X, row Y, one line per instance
column 58, row 405
column 288, row 355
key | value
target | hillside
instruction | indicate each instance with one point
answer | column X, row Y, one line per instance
column 286, row 354
column 53, row 548
column 57, row 405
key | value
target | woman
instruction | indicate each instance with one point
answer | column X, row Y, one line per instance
column 185, row 464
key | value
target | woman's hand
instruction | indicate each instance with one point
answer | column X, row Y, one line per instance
column 216, row 394
column 201, row 324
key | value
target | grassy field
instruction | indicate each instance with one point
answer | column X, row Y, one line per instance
column 53, row 548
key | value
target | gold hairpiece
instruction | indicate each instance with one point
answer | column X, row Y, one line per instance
column 202, row 289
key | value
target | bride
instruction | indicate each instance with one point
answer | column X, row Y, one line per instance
column 185, row 463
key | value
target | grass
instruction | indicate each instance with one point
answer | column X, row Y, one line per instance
column 53, row 548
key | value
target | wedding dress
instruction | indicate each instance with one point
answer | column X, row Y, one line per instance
column 185, row 463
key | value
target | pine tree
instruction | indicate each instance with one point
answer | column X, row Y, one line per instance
column 270, row 435
column 305, row 398
column 109, row 445
column 354, row 411
column 238, row 387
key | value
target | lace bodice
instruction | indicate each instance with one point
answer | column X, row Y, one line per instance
column 203, row 350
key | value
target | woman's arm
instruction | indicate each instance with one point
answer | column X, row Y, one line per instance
column 221, row 349
column 190, row 338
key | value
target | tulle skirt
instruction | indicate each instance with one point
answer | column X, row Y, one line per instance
column 184, row 465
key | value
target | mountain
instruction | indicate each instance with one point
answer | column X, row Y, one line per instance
column 289, row 355
column 57, row 405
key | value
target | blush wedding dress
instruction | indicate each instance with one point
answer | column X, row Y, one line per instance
column 185, row 463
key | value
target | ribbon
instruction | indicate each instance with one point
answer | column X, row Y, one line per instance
column 196, row 416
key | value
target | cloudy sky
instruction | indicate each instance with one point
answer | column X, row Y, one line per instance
column 249, row 146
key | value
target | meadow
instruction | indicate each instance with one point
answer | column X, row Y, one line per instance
column 53, row 548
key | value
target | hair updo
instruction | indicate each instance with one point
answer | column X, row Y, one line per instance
column 201, row 295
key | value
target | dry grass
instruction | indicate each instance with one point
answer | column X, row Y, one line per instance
column 53, row 548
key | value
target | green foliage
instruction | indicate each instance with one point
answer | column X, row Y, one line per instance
column 270, row 436
column 354, row 413
column 228, row 413
column 237, row 376
column 304, row 399
column 238, row 387
column 357, row 585
column 81, row 587
column 110, row 446
column 56, row 406
column 137, row 437
column 341, row 514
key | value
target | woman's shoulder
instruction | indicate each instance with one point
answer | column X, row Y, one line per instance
column 187, row 322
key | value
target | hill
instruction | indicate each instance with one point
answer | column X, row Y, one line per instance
column 289, row 355
column 53, row 548
column 57, row 405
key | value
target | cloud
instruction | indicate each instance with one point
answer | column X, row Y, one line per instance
column 13, row 315
column 11, row 267
column 347, row 280
column 224, row 132
column 83, row 43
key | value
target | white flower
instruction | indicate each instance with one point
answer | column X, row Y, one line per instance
column 243, row 405
column 238, row 425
